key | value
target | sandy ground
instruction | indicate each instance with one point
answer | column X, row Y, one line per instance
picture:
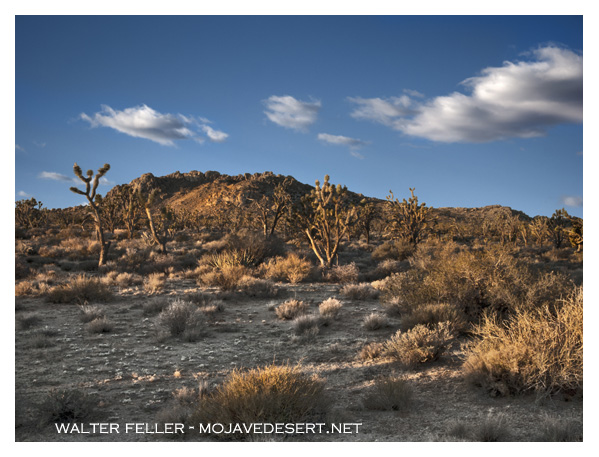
column 131, row 373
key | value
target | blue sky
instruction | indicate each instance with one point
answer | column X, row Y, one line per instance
column 469, row 110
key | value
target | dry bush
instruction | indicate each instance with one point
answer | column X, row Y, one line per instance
column 79, row 248
column 27, row 287
column 226, row 278
column 154, row 283
column 535, row 350
column 270, row 394
column 419, row 345
column 154, row 306
column 554, row 428
column 26, row 321
column 100, row 325
column 433, row 314
column 80, row 289
column 291, row 309
column 123, row 280
column 492, row 428
column 329, row 309
column 259, row 288
column 181, row 319
column 371, row 351
column 306, row 325
column 362, row 291
column 388, row 267
column 90, row 312
column 389, row 393
column 342, row 274
column 66, row 406
column 293, row 268
column 375, row 321
column 471, row 280
column 393, row 250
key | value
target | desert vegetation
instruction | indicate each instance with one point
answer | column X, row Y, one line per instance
column 203, row 298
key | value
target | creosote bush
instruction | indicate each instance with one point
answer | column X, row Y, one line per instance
column 375, row 321
column 389, row 393
column 291, row 309
column 362, row 291
column 270, row 394
column 537, row 350
column 293, row 268
column 432, row 314
column 330, row 308
column 419, row 345
column 342, row 274
column 371, row 351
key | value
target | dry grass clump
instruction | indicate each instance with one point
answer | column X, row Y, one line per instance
column 306, row 325
column 329, row 309
column 80, row 289
column 554, row 428
column 419, row 345
column 362, row 291
column 389, row 393
column 259, row 288
column 90, row 312
column 293, row 268
column 375, row 321
column 154, row 283
column 100, row 325
column 291, row 309
column 226, row 278
column 270, row 394
column 371, row 351
column 492, row 428
column 123, row 280
column 342, row 274
column 66, row 406
column 535, row 350
column 181, row 319
column 154, row 306
column 26, row 321
column 433, row 314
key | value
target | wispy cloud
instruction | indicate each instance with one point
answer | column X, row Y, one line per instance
column 23, row 194
column 572, row 200
column 517, row 100
column 289, row 112
column 39, row 144
column 144, row 122
column 19, row 148
column 353, row 143
column 56, row 176
column 356, row 154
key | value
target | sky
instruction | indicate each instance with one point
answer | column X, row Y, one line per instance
column 468, row 110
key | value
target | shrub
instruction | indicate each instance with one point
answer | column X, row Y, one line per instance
column 270, row 394
column 306, row 325
column 154, row 283
column 330, row 308
column 259, row 288
column 492, row 428
column 25, row 322
column 181, row 319
column 393, row 250
column 371, row 351
column 90, row 313
column 80, row 289
column 291, row 309
column 226, row 278
column 558, row 429
column 342, row 273
column 389, row 393
column 123, row 280
column 154, row 306
column 100, row 325
column 66, row 406
column 535, row 350
column 375, row 321
column 293, row 268
column 362, row 291
column 432, row 314
column 419, row 345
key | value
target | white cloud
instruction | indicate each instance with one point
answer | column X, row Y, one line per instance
column 55, row 176
column 517, row 100
column 341, row 140
column 572, row 200
column 39, row 144
column 413, row 93
column 144, row 122
column 23, row 194
column 356, row 154
column 289, row 112
column 19, row 148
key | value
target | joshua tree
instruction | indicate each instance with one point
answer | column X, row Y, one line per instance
column 166, row 217
column 409, row 220
column 368, row 213
column 271, row 208
column 94, row 204
column 29, row 213
column 539, row 229
column 575, row 233
column 557, row 223
column 325, row 215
